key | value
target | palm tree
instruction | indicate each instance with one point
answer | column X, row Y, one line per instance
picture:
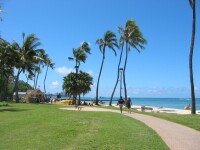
column 109, row 40
column 48, row 64
column 193, row 5
column 25, row 58
column 133, row 38
column 40, row 62
column 118, row 70
column 80, row 55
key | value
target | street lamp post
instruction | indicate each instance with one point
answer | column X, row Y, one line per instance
column 76, row 83
column 121, row 69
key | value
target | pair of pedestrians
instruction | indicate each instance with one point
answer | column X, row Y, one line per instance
column 128, row 104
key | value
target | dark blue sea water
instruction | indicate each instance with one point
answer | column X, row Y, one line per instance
column 177, row 103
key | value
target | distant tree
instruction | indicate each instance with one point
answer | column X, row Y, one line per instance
column 109, row 40
column 193, row 6
column 132, row 36
column 23, row 86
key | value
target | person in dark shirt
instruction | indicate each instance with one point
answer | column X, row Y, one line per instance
column 121, row 103
column 128, row 104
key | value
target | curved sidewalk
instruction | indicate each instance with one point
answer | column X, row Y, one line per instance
column 176, row 136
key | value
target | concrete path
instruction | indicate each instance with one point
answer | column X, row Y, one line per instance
column 176, row 136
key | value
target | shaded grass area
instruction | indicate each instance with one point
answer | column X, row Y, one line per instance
column 190, row 120
column 32, row 126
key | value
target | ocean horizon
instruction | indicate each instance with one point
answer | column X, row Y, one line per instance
column 177, row 103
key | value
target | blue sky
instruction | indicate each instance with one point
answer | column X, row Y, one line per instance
column 160, row 70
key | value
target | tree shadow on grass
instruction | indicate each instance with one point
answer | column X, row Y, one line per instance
column 11, row 109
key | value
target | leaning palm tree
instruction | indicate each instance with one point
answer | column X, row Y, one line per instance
column 25, row 58
column 193, row 5
column 109, row 40
column 133, row 38
column 48, row 64
column 40, row 63
column 118, row 70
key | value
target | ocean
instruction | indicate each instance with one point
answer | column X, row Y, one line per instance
column 177, row 103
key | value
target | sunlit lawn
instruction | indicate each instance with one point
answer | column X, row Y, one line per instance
column 43, row 126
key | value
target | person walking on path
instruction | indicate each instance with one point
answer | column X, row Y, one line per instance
column 128, row 104
column 121, row 103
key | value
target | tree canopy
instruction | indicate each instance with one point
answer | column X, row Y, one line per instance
column 77, row 83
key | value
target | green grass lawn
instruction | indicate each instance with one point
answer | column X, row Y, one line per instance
column 41, row 126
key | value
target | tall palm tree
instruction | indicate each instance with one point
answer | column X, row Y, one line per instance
column 25, row 58
column 193, row 5
column 80, row 55
column 48, row 64
column 133, row 38
column 118, row 70
column 109, row 40
column 40, row 63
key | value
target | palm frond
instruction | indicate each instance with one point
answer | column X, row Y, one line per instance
column 70, row 58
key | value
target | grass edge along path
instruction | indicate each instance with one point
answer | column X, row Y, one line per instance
column 32, row 126
column 190, row 120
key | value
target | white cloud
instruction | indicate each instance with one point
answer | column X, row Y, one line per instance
column 64, row 70
column 54, row 85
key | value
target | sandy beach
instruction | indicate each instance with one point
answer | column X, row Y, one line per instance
column 162, row 110
column 138, row 107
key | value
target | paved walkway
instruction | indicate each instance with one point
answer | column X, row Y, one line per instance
column 176, row 136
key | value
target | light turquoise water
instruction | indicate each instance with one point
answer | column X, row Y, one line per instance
column 178, row 103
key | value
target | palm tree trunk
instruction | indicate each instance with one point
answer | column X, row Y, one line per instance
column 37, row 78
column 34, row 80
column 79, row 99
column 97, row 90
column 45, row 79
column 120, row 58
column 16, row 87
column 193, row 110
column 124, row 71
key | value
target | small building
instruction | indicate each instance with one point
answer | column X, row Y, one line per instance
column 20, row 94
column 34, row 96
